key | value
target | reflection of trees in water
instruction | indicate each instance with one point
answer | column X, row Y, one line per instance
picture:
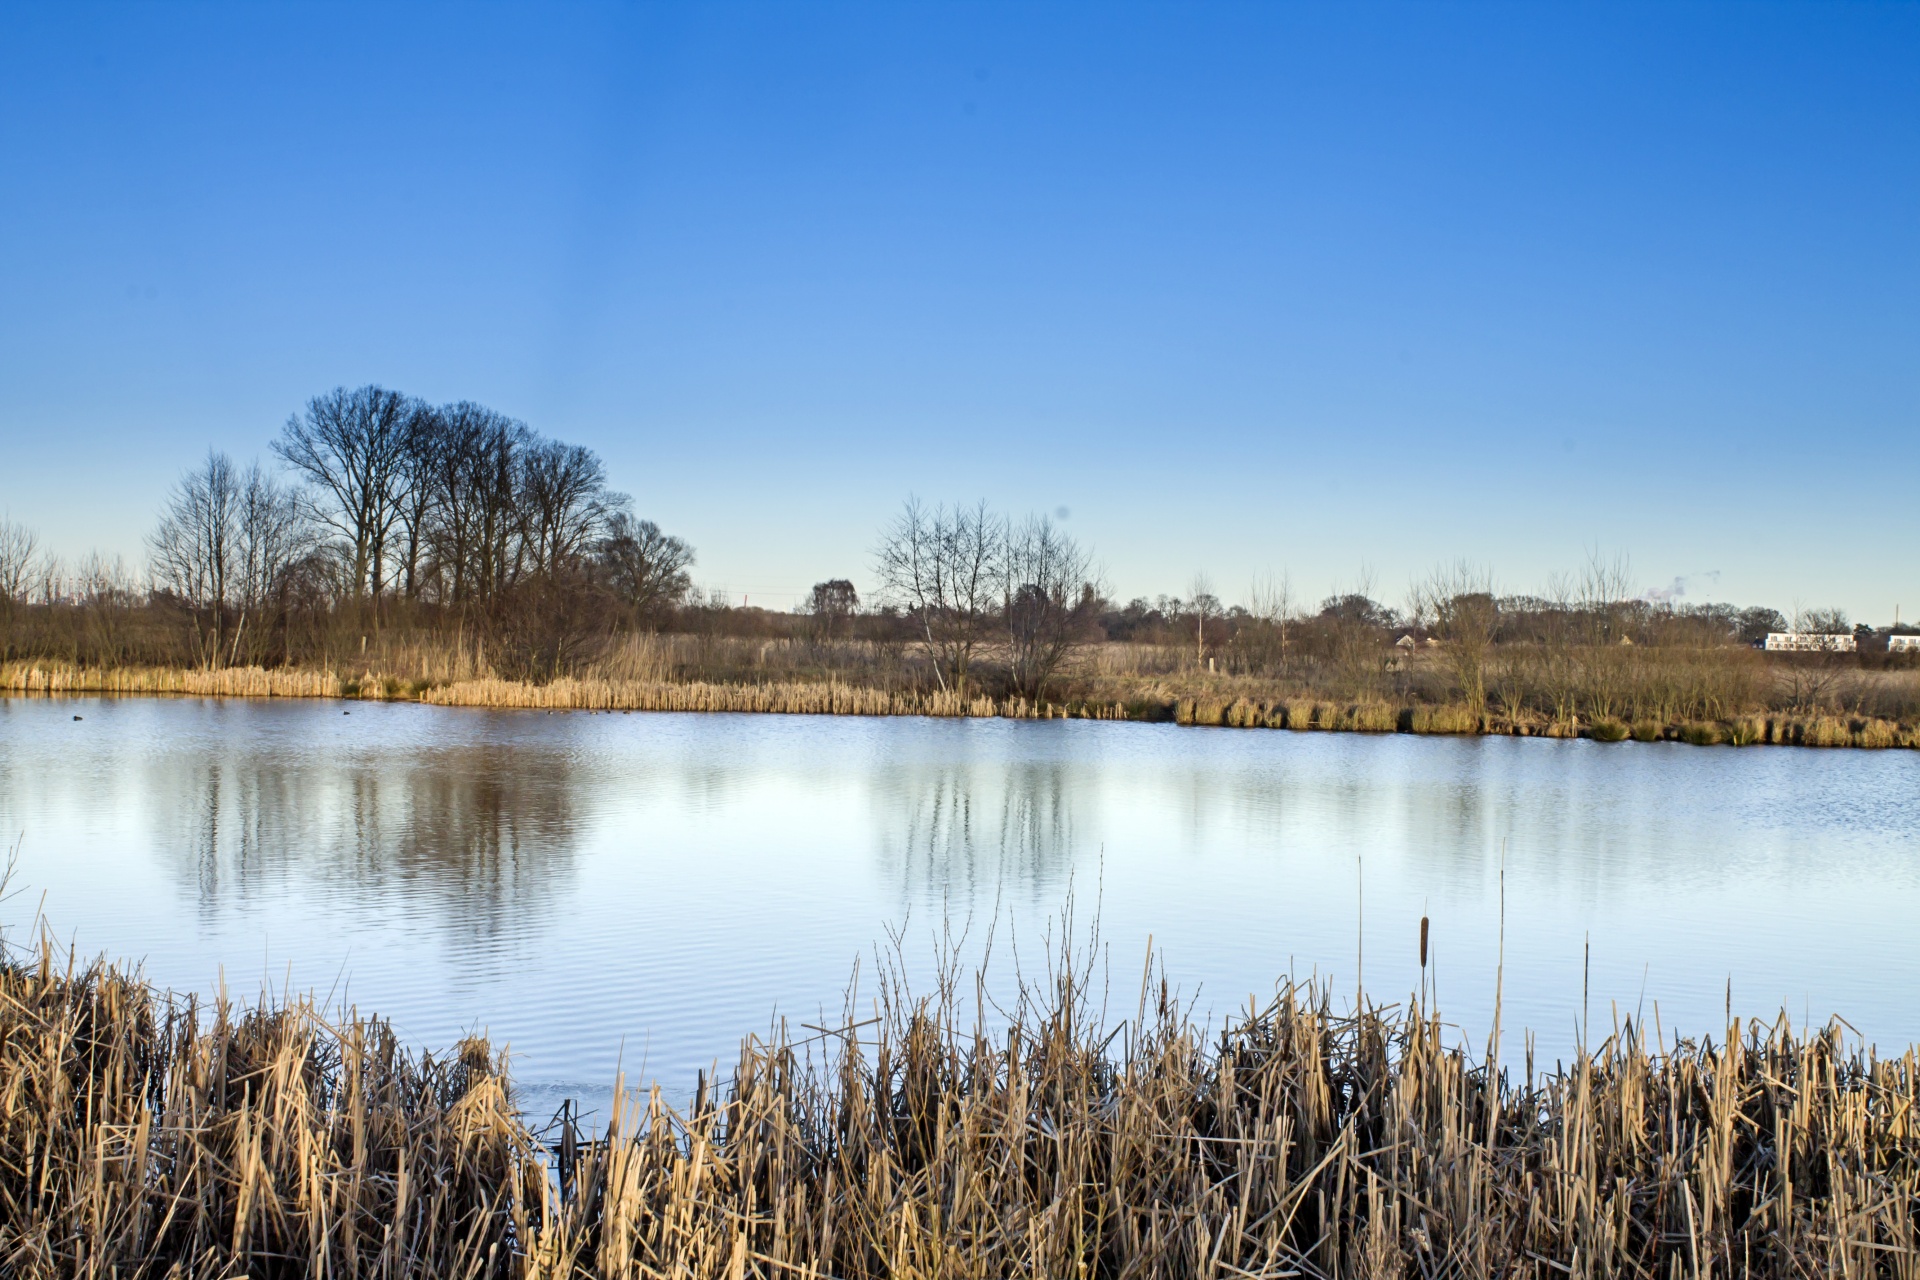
column 959, row 829
column 476, row 839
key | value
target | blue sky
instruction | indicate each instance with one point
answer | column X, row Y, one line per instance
column 1241, row 288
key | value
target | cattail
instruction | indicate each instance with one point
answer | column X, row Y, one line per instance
column 142, row 1137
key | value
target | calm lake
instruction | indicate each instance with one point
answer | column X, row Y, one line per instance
column 641, row 890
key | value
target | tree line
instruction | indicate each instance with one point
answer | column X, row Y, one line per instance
column 458, row 529
column 387, row 511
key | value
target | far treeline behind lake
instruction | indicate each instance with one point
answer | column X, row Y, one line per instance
column 452, row 554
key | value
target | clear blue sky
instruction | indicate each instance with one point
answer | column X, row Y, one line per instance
column 1240, row 287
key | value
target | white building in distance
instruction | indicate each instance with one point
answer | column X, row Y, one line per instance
column 1809, row 642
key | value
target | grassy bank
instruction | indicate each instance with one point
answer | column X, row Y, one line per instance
column 1148, row 697
column 143, row 1136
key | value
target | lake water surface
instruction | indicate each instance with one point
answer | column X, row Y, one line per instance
column 641, row 890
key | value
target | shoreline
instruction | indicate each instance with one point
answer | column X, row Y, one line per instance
column 1765, row 728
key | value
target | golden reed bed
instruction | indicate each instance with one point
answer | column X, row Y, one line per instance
column 567, row 693
column 144, row 1136
column 838, row 698
column 240, row 682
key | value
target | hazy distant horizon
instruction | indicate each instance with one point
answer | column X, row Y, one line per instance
column 1241, row 290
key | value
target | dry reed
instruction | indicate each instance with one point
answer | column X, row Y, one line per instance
column 825, row 698
column 142, row 1136
column 240, row 682
column 1144, row 699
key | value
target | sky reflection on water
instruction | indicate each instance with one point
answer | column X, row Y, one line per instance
column 641, row 890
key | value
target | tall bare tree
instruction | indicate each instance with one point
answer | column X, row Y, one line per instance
column 225, row 539
column 564, row 503
column 948, row 569
column 194, row 550
column 645, row 568
column 274, row 535
column 475, row 534
column 1051, row 603
column 1206, row 606
column 351, row 447
column 415, row 503
column 19, row 561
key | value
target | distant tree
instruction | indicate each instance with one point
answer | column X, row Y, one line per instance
column 1205, row 606
column 106, row 593
column 19, row 561
column 416, row 501
column 352, row 448
column 1051, row 604
column 1456, row 603
column 1355, row 629
column 275, row 534
column 1823, row 622
column 194, row 549
column 564, row 503
column 1358, row 607
column 948, row 570
column 832, row 605
column 224, row 539
column 1604, row 619
column 645, row 568
column 1757, row 623
column 474, row 535
column 1261, row 641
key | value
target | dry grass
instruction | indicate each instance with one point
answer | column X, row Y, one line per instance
column 826, row 698
column 239, row 682
column 632, row 680
column 144, row 1137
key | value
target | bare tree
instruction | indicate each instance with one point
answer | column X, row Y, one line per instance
column 1270, row 617
column 274, row 534
column 1822, row 622
column 947, row 569
column 1206, row 605
column 224, row 540
column 415, row 503
column 1050, row 603
column 193, row 550
column 19, row 561
column 645, row 568
column 475, row 534
column 1603, row 595
column 1457, row 604
column 351, row 446
column 107, row 592
column 564, row 503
